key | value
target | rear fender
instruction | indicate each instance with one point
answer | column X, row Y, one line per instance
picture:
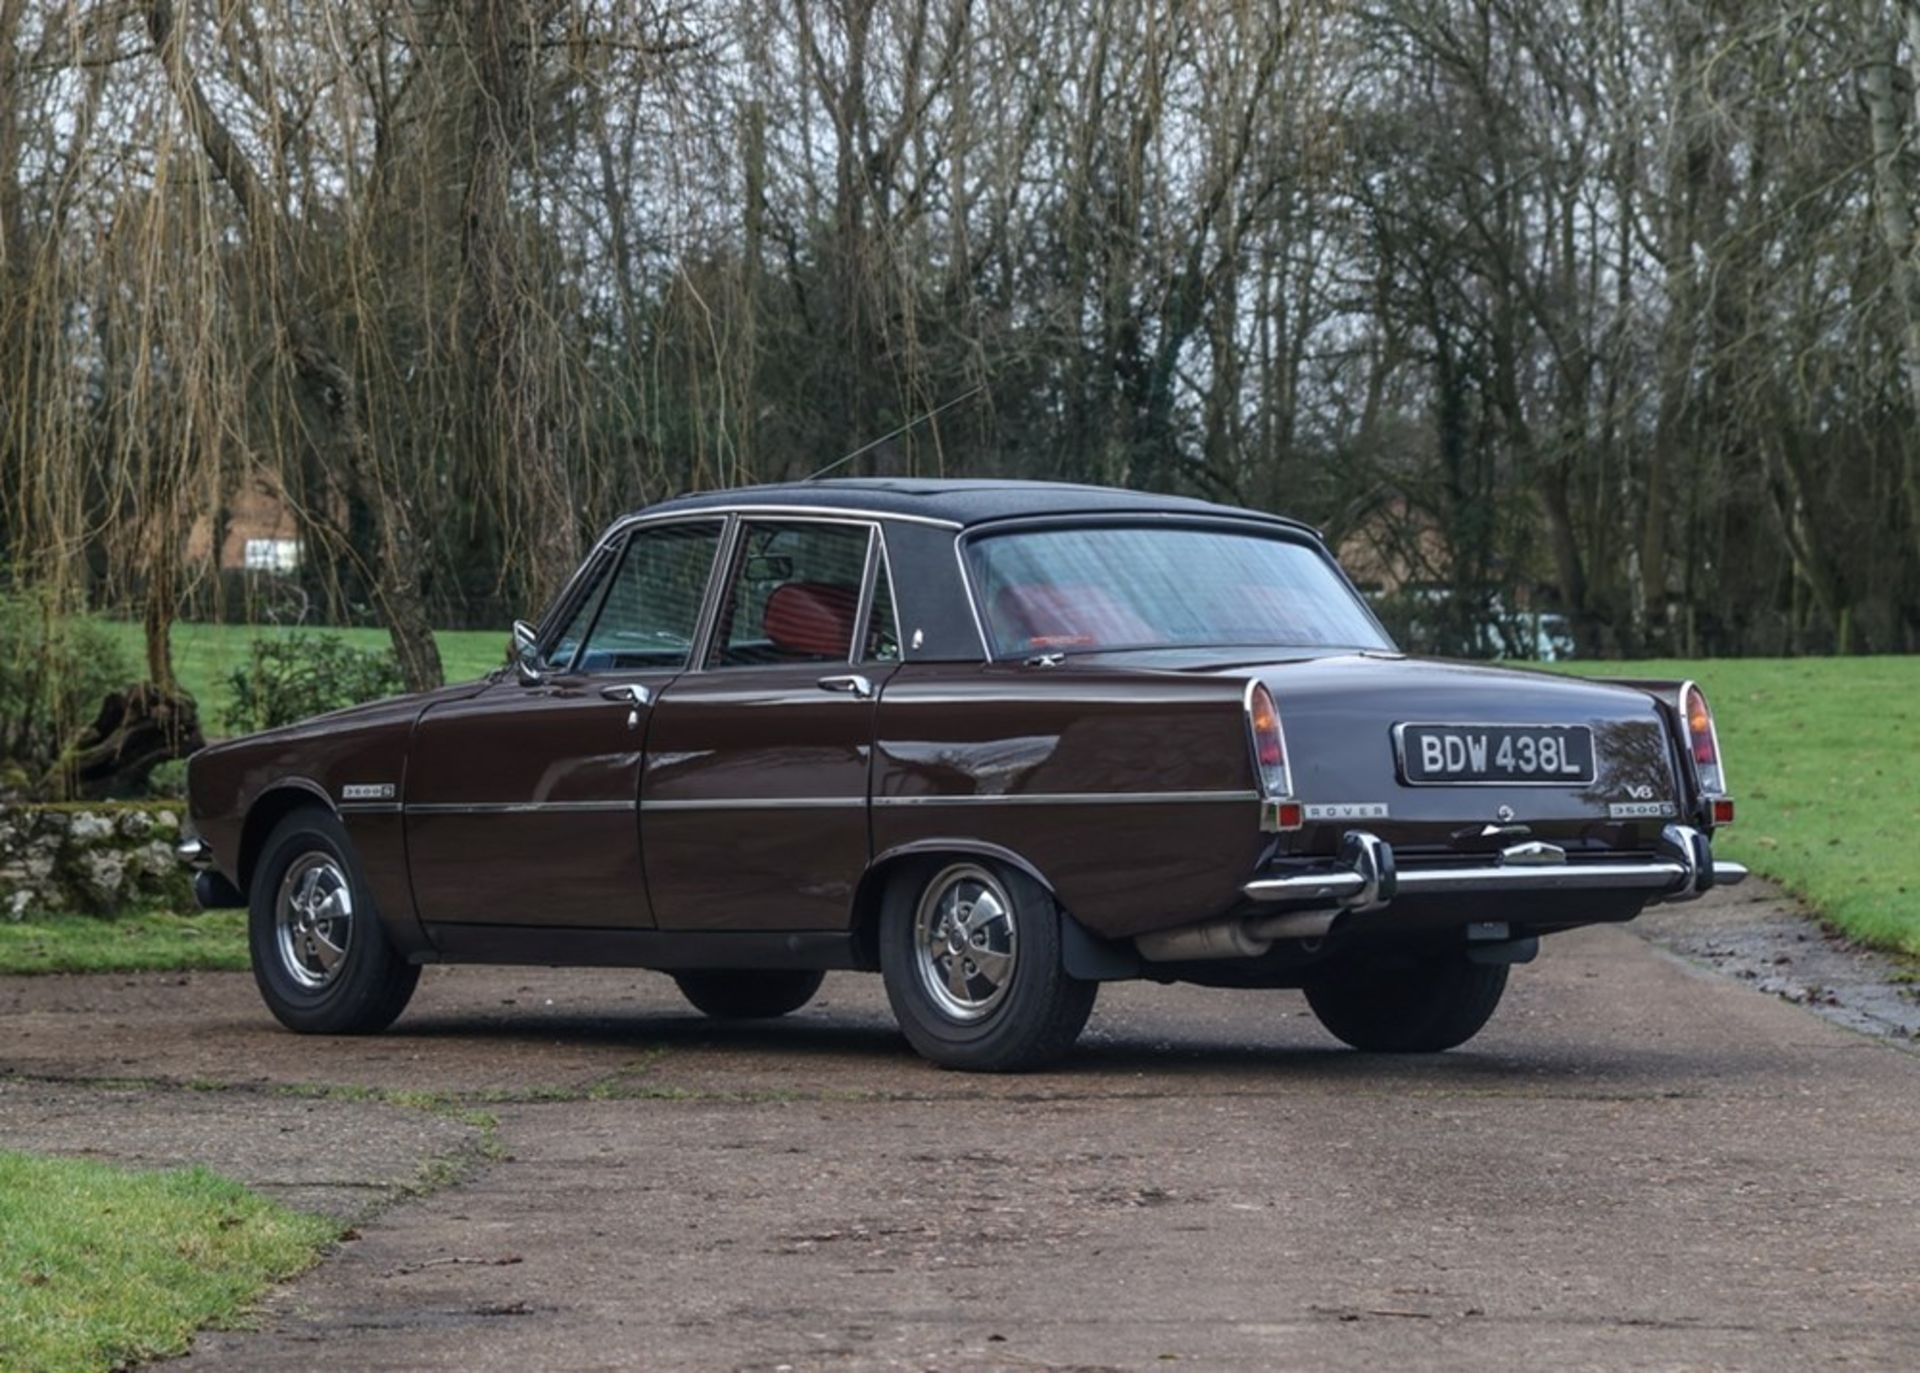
column 1085, row 954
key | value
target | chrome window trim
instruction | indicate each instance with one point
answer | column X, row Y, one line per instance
column 716, row 592
column 973, row 601
column 579, row 587
column 863, row 605
column 893, row 601
column 1274, row 526
column 702, row 661
column 566, row 602
column 750, row 509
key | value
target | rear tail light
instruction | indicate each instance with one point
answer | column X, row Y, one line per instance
column 1703, row 746
column 1269, row 744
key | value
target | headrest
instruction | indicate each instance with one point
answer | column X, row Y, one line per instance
column 811, row 619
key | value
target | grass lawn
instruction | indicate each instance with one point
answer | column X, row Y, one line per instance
column 204, row 655
column 102, row 1268
column 1821, row 758
column 213, row 941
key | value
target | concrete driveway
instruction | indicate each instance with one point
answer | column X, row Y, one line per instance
column 1639, row 1165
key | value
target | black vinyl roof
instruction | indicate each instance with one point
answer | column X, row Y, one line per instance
column 964, row 501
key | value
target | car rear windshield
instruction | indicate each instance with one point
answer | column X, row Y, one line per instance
column 1110, row 587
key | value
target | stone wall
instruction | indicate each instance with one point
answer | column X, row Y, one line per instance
column 95, row 859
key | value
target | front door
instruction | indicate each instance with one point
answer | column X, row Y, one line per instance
column 754, row 802
column 522, row 802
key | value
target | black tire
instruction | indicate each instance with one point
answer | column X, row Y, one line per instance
column 749, row 994
column 369, row 983
column 1030, row 1018
column 1418, row 1008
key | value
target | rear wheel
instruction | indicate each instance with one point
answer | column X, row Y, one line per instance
column 748, row 994
column 321, row 959
column 970, row 952
column 1418, row 1008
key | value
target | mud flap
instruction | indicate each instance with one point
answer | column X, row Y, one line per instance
column 1089, row 958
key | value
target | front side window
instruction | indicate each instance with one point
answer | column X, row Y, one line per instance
column 794, row 596
column 650, row 611
column 560, row 653
column 1089, row 588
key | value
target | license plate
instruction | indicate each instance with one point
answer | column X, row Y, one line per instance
column 1454, row 755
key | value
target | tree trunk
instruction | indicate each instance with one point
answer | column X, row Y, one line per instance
column 398, row 571
column 1895, row 194
column 512, row 408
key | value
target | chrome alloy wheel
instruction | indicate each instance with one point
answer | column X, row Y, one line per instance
column 964, row 942
column 313, row 919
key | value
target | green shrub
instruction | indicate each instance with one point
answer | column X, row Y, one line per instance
column 168, row 779
column 55, row 671
column 290, row 677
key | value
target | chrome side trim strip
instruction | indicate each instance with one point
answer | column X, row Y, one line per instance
column 1089, row 798
column 514, row 807
column 370, row 808
column 759, row 803
column 1073, row 798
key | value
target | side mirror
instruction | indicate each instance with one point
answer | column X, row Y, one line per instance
column 526, row 651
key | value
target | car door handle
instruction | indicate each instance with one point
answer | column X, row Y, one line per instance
column 852, row 683
column 631, row 694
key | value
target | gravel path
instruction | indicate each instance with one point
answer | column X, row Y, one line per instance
column 1640, row 1163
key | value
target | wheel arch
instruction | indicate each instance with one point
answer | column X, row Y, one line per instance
column 1087, row 956
column 268, row 809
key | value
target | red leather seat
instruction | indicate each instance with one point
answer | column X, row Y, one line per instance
column 811, row 619
column 1074, row 616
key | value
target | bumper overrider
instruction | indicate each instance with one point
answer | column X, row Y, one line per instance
column 1365, row 878
column 211, row 890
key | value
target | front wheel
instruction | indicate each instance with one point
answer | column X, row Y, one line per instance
column 322, row 961
column 970, row 952
column 1418, row 1008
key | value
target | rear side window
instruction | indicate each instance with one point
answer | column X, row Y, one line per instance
column 794, row 595
column 1089, row 588
column 651, row 609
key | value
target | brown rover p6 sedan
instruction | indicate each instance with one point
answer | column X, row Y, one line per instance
column 998, row 741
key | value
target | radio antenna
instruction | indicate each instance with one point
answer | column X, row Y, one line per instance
column 911, row 424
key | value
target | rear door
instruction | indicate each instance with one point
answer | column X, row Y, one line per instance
column 754, row 799
column 522, row 802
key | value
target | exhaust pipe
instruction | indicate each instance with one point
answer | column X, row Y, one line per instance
column 1232, row 938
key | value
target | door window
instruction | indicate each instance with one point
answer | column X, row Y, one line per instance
column 795, row 594
column 883, row 637
column 651, row 609
column 560, row 653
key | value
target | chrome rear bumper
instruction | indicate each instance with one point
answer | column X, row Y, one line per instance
column 1365, row 877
